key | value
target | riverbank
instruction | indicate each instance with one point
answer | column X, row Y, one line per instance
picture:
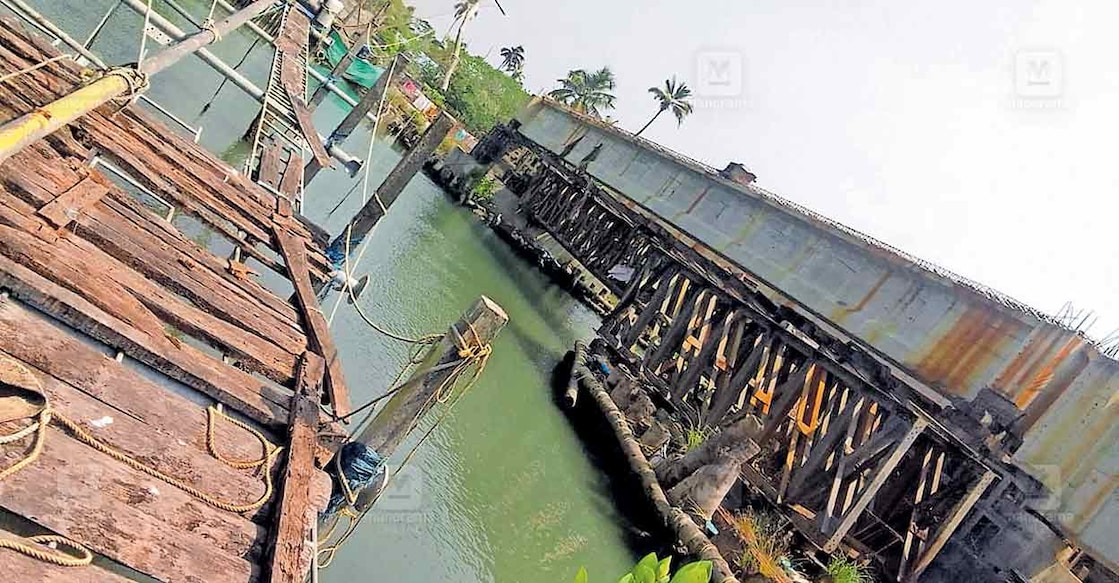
column 529, row 240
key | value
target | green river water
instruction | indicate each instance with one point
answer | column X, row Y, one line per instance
column 503, row 490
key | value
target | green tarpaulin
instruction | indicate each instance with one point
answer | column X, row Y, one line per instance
column 361, row 72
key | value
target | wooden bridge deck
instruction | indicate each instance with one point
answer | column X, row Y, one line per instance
column 127, row 260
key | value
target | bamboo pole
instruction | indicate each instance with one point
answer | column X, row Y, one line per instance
column 675, row 519
column 31, row 127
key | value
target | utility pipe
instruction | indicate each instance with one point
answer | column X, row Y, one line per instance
column 176, row 33
column 32, row 127
column 218, row 65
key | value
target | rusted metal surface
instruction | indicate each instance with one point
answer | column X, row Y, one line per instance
column 91, row 270
column 677, row 326
column 909, row 312
column 1074, row 450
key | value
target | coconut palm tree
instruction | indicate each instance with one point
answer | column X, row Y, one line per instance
column 589, row 93
column 464, row 12
column 673, row 96
column 513, row 59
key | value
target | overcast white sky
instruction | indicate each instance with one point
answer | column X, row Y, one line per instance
column 900, row 119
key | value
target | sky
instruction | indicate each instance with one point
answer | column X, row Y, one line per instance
column 981, row 136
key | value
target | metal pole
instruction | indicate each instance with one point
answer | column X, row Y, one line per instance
column 197, row 41
column 22, row 9
column 31, row 127
column 340, row 69
column 251, row 25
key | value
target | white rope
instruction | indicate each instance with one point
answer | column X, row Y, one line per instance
column 349, row 268
column 144, row 35
column 34, row 67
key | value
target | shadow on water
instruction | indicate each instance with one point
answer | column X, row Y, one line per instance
column 643, row 531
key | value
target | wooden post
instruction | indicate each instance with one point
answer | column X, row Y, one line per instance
column 394, row 184
column 959, row 512
column 876, row 483
column 391, row 425
column 369, row 101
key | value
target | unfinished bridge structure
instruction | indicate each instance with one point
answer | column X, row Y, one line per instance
column 909, row 414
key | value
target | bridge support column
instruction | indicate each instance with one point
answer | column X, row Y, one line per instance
column 390, row 189
column 369, row 102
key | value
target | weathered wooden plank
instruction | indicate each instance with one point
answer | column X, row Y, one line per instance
column 43, row 344
column 226, row 384
column 118, row 512
column 181, row 259
column 122, row 228
column 295, row 513
column 293, row 176
column 269, row 171
column 62, row 210
column 307, row 127
column 880, row 475
column 155, row 446
column 98, row 277
column 318, row 331
column 192, row 169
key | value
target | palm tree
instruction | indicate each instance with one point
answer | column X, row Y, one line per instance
column 464, row 12
column 672, row 96
column 513, row 59
column 589, row 93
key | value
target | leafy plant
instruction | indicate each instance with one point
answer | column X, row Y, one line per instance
column 650, row 569
column 674, row 97
column 696, row 437
column 844, row 570
column 484, row 189
column 591, row 93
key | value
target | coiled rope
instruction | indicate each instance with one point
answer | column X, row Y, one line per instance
column 47, row 414
column 80, row 558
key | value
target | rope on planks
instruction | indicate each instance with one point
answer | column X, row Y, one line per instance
column 26, row 382
column 471, row 353
column 34, row 67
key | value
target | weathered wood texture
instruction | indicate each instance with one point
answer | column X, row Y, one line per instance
column 107, row 506
column 295, row 513
column 148, row 421
column 318, row 331
column 89, row 269
column 20, row 568
column 171, row 166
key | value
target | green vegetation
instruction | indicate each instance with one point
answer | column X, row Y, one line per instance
column 696, row 437
column 652, row 570
column 470, row 89
column 464, row 13
column 589, row 93
column 480, row 96
column 484, row 189
column 673, row 96
column 844, row 570
column 766, row 541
